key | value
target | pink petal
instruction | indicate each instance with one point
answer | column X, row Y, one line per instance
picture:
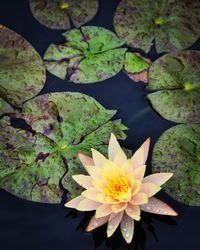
column 133, row 211
column 74, row 202
column 88, row 205
column 116, row 208
column 149, row 189
column 139, row 173
column 85, row 159
column 90, row 193
column 114, row 148
column 158, row 179
column 140, row 156
column 139, row 199
column 83, row 180
column 103, row 210
column 157, row 206
column 113, row 223
column 127, row 228
column 96, row 222
column 98, row 158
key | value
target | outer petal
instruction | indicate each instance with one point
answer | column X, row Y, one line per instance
column 157, row 206
column 74, row 202
column 88, row 205
column 133, row 211
column 139, row 199
column 96, row 222
column 158, row 179
column 127, row 167
column 90, row 193
column 150, row 189
column 113, row 223
column 140, row 156
column 99, row 184
column 85, row 159
column 98, row 158
column 103, row 210
column 120, row 158
column 139, row 172
column 114, row 148
column 83, row 180
column 93, row 171
column 127, row 228
column 116, row 208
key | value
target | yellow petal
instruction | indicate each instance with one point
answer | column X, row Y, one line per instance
column 157, row 206
column 90, row 193
column 85, row 159
column 99, row 184
column 83, row 180
column 127, row 167
column 103, row 210
column 149, row 189
column 139, row 172
column 113, row 223
column 96, row 222
column 98, row 158
column 158, row 179
column 113, row 148
column 101, row 198
column 136, row 187
column 116, row 208
column 139, row 199
column 88, row 205
column 127, row 228
column 133, row 211
column 120, row 158
column 74, row 202
column 93, row 171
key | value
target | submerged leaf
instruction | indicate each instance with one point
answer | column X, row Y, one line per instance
column 57, row 14
column 5, row 108
column 90, row 54
column 22, row 73
column 173, row 24
column 178, row 151
column 177, row 76
column 32, row 165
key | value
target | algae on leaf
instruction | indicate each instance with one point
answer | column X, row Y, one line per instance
column 177, row 77
column 5, row 108
column 178, row 151
column 57, row 14
column 173, row 24
column 90, row 54
column 22, row 73
column 33, row 162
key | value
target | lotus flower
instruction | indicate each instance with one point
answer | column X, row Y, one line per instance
column 117, row 189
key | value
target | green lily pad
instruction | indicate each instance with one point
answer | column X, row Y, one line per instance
column 178, row 151
column 57, row 14
column 90, row 54
column 177, row 76
column 22, row 73
column 173, row 24
column 137, row 67
column 5, row 108
column 33, row 162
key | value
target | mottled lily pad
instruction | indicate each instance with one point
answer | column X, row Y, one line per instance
column 32, row 164
column 177, row 76
column 90, row 54
column 178, row 151
column 57, row 14
column 137, row 67
column 173, row 24
column 5, row 108
column 22, row 73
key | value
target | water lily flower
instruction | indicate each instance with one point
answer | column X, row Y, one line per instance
column 117, row 189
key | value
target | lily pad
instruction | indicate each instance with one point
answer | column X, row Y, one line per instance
column 173, row 24
column 22, row 72
column 178, row 151
column 90, row 54
column 57, row 14
column 33, row 162
column 177, row 76
column 5, row 108
column 137, row 67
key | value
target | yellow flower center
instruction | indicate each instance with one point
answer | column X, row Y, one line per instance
column 63, row 6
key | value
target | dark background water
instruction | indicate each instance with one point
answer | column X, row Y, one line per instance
column 27, row 225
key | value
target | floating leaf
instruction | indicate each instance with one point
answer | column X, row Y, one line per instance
column 137, row 67
column 22, row 73
column 32, row 164
column 173, row 24
column 178, row 151
column 57, row 14
column 89, row 55
column 5, row 108
column 177, row 76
